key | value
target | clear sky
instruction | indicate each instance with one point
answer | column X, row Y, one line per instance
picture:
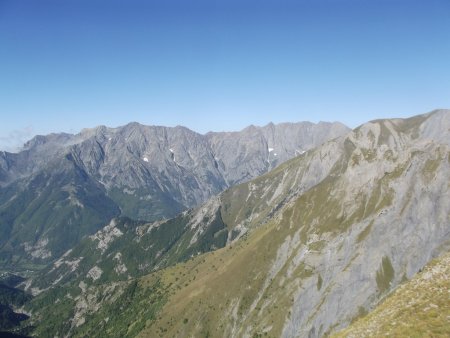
column 217, row 65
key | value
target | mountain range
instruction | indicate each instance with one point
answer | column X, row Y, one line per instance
column 60, row 188
column 346, row 235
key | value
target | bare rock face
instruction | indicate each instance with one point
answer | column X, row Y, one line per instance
column 311, row 245
column 188, row 167
column 243, row 155
column 321, row 239
column 397, row 188
column 370, row 211
column 79, row 182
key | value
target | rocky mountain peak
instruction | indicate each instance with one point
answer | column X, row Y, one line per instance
column 144, row 172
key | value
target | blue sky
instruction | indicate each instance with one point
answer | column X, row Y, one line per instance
column 217, row 65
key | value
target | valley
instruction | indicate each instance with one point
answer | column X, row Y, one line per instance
column 329, row 240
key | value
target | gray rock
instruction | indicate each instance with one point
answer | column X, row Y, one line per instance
column 148, row 172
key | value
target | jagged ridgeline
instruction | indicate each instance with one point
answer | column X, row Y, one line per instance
column 301, row 251
column 61, row 188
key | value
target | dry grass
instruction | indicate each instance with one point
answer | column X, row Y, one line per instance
column 418, row 308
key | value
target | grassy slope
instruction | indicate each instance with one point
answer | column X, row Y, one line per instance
column 115, row 310
column 190, row 300
column 58, row 209
column 164, row 245
column 249, row 204
column 226, row 292
column 233, row 292
column 418, row 308
column 204, row 288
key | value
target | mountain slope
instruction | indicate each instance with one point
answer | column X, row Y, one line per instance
column 11, row 299
column 379, row 216
column 312, row 244
column 125, row 249
column 62, row 187
column 420, row 307
column 220, row 221
column 44, row 215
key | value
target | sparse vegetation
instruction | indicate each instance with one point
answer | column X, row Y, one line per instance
column 385, row 275
column 305, row 231
column 418, row 308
